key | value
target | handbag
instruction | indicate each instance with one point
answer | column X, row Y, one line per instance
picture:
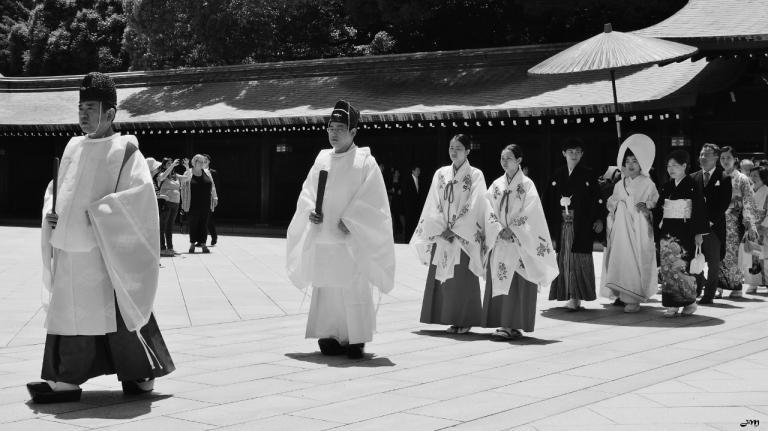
column 752, row 247
column 698, row 263
column 744, row 259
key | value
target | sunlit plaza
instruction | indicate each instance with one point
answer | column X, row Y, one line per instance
column 235, row 327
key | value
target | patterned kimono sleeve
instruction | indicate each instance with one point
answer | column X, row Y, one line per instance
column 748, row 201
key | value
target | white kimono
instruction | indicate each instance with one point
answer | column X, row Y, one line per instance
column 342, row 268
column 629, row 261
column 517, row 206
column 105, row 244
column 455, row 201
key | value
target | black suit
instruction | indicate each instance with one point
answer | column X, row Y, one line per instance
column 717, row 196
column 413, row 201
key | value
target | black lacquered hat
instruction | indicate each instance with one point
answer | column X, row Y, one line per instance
column 344, row 112
column 99, row 87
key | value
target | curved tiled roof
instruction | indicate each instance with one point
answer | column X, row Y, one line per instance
column 717, row 24
column 480, row 84
column 458, row 85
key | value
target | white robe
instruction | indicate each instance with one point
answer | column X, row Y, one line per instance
column 529, row 252
column 464, row 210
column 629, row 261
column 105, row 244
column 342, row 268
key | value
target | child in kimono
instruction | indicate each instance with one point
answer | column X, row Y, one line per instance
column 100, row 259
column 450, row 238
column 629, row 262
column 522, row 257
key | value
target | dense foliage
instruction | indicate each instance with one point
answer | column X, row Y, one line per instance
column 51, row 37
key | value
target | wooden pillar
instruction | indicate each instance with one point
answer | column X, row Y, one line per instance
column 266, row 155
column 439, row 147
column 550, row 153
column 4, row 179
column 189, row 146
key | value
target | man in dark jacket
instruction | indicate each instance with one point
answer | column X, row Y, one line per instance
column 572, row 205
column 717, row 196
column 413, row 200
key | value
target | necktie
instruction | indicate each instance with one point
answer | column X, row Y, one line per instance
column 706, row 178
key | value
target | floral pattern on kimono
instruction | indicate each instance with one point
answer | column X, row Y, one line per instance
column 739, row 218
column 529, row 252
column 456, row 201
column 677, row 283
column 761, row 211
column 761, row 223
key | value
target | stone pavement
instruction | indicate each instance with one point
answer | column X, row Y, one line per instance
column 235, row 328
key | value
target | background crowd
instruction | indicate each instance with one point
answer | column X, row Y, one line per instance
column 186, row 194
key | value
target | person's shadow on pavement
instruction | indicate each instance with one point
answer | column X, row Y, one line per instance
column 651, row 317
column 341, row 361
column 101, row 405
column 523, row 340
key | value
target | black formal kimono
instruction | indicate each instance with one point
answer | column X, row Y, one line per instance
column 676, row 239
column 574, row 239
column 586, row 203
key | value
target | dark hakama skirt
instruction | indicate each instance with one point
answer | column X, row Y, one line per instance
column 76, row 358
column 455, row 302
column 516, row 309
column 577, row 271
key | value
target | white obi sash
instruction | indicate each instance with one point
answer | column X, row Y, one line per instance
column 677, row 208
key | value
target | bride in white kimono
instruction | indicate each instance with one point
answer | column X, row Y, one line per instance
column 450, row 238
column 522, row 258
column 629, row 262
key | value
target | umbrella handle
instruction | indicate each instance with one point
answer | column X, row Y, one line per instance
column 616, row 106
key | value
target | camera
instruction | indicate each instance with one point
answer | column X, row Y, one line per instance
column 179, row 169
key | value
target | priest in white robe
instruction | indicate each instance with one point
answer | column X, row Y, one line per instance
column 100, row 259
column 342, row 247
column 629, row 262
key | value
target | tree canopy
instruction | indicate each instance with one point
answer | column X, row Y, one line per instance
column 53, row 37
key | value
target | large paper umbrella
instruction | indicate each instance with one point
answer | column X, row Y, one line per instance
column 613, row 50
